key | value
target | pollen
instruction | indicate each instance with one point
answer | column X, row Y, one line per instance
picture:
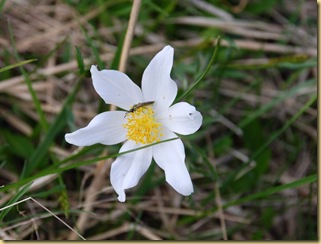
column 142, row 126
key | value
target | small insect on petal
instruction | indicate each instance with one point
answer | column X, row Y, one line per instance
column 137, row 106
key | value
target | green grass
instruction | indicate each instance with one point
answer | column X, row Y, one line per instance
column 257, row 145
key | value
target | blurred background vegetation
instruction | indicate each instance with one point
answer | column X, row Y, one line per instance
column 253, row 163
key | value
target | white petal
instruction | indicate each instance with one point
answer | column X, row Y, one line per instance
column 157, row 84
column 105, row 128
column 170, row 156
column 182, row 118
column 116, row 88
column 127, row 169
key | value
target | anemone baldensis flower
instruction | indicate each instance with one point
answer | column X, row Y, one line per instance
column 149, row 117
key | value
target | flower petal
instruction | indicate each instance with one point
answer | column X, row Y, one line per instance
column 105, row 128
column 127, row 169
column 182, row 118
column 157, row 84
column 116, row 88
column 170, row 156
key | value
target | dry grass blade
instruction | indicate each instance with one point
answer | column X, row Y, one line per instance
column 125, row 228
column 42, row 206
column 211, row 8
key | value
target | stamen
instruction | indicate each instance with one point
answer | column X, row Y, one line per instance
column 142, row 126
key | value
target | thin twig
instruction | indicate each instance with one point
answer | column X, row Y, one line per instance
column 68, row 226
column 49, row 211
column 13, row 204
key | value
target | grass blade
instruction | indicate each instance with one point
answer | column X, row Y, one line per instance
column 280, row 98
column 35, row 99
column 11, row 66
column 277, row 133
column 273, row 190
column 204, row 73
column 80, row 62
column 2, row 3
column 14, row 199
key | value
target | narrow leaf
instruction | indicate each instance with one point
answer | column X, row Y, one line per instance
column 11, row 66
column 32, row 92
column 80, row 61
column 273, row 190
column 204, row 73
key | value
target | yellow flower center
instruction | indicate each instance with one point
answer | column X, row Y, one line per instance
column 142, row 126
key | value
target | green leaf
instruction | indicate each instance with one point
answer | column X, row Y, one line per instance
column 270, row 191
column 231, row 178
column 80, row 62
column 35, row 99
column 2, row 5
column 277, row 133
column 204, row 73
column 277, row 100
column 253, row 138
column 11, row 66
column 116, row 59
column 49, row 192
column 93, row 47
column 19, row 144
column 257, row 7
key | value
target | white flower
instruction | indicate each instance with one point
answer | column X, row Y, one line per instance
column 142, row 124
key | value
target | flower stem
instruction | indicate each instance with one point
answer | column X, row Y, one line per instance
column 204, row 73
